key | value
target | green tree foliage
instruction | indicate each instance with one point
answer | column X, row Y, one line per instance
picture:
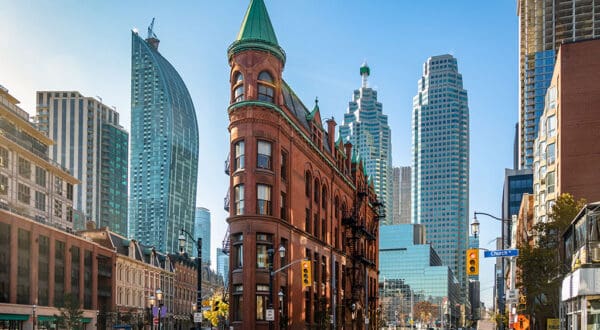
column 540, row 266
column 71, row 314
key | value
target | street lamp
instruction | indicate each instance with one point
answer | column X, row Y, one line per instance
column 475, row 231
column 152, row 301
column 159, row 298
column 198, row 265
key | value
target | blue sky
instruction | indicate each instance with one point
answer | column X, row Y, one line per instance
column 86, row 46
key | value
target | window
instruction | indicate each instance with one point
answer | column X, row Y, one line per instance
column 237, row 247
column 551, row 126
column 69, row 191
column 238, row 199
column 58, row 186
column 550, row 180
column 3, row 157
column 238, row 87
column 307, row 221
column 262, row 301
column 307, row 184
column 263, row 200
column 550, row 154
column 40, row 176
column 69, row 213
column 265, row 87
column 3, row 185
column 239, row 156
column 237, row 302
column 263, row 159
column 40, row 201
column 552, row 97
column 284, row 165
column 58, row 208
column 317, row 189
column 283, row 203
column 24, row 195
column 264, row 242
column 324, row 197
column 24, row 168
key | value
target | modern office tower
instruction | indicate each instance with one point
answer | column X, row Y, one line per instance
column 366, row 127
column 543, row 26
column 202, row 229
column 31, row 184
column 223, row 266
column 395, row 196
column 405, row 196
column 421, row 275
column 516, row 183
column 440, row 162
column 93, row 146
column 294, row 194
column 164, row 149
column 566, row 150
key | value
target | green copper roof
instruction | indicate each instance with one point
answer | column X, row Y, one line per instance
column 364, row 68
column 355, row 157
column 312, row 114
column 257, row 32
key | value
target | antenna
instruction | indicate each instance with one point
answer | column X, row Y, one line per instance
column 150, row 30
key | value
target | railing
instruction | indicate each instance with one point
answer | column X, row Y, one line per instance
column 227, row 165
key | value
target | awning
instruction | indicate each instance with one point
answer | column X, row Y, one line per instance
column 121, row 326
column 52, row 318
column 14, row 317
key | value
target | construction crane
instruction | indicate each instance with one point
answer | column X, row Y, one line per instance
column 150, row 30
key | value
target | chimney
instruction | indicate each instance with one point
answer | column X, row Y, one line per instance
column 348, row 148
column 331, row 134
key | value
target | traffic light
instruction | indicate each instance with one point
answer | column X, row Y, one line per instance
column 215, row 306
column 472, row 262
column 306, row 273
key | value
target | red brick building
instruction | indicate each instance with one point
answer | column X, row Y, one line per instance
column 293, row 188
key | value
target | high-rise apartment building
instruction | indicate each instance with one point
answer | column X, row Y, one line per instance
column 366, row 127
column 516, row 184
column 543, row 26
column 566, row 150
column 405, row 195
column 440, row 161
column 31, row 183
column 93, row 146
column 202, row 230
column 395, row 196
column 295, row 194
column 164, row 149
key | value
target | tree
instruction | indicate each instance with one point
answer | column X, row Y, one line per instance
column 426, row 312
column 540, row 266
column 71, row 313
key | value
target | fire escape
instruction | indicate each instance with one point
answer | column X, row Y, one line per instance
column 361, row 233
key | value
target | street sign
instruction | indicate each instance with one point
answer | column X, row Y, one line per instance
column 197, row 317
column 366, row 320
column 501, row 253
column 155, row 320
column 270, row 314
column 512, row 294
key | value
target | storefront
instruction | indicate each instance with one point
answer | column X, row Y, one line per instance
column 580, row 300
column 13, row 321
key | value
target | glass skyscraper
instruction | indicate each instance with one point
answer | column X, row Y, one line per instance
column 366, row 127
column 202, row 230
column 440, row 162
column 164, row 149
column 544, row 25
column 223, row 266
column 93, row 146
column 421, row 275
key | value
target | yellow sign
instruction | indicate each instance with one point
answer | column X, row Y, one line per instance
column 552, row 324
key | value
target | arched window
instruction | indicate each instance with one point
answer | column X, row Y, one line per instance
column 336, row 207
column 324, row 197
column 238, row 87
column 317, row 190
column 307, row 184
column 266, row 87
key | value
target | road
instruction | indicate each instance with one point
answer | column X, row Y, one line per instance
column 486, row 325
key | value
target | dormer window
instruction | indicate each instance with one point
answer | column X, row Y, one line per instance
column 266, row 87
column 238, row 87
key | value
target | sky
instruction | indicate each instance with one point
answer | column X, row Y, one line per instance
column 86, row 47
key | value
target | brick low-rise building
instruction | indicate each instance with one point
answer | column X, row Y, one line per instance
column 293, row 188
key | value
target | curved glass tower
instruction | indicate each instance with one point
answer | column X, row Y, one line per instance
column 164, row 149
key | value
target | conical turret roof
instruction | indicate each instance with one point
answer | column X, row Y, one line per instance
column 257, row 32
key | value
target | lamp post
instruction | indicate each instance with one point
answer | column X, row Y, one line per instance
column 272, row 273
column 198, row 265
column 159, row 299
column 34, row 319
column 475, row 231
column 152, row 301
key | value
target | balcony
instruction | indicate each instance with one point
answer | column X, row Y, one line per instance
column 227, row 165
column 226, row 202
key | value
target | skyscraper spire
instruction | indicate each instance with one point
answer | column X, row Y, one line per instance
column 365, row 71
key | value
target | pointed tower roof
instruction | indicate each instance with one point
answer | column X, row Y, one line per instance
column 257, row 32
column 314, row 112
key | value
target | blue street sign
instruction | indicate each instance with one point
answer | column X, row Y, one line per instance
column 501, row 253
